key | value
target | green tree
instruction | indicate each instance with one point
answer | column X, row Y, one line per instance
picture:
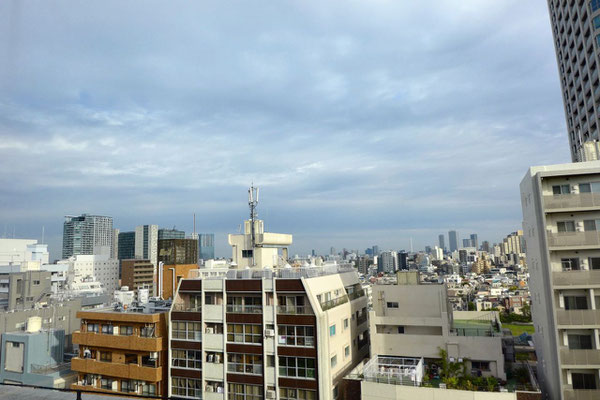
column 471, row 306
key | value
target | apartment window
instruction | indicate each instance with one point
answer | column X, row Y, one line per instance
column 187, row 330
column 594, row 262
column 190, row 359
column 244, row 333
column 346, row 351
column 239, row 391
column 333, row 361
column 297, row 367
column 392, row 304
column 592, row 187
column 336, row 391
column 105, row 356
column 187, row 387
column 296, row 335
column 245, row 363
column 126, row 330
column 332, row 330
column 247, row 253
column 147, row 331
column 131, row 359
column 107, row 329
column 93, row 328
column 400, row 329
column 576, row 303
column 297, row 394
column 583, row 381
column 590, row 225
column 36, row 283
column 480, row 365
column 561, row 189
column 127, row 386
column 577, row 342
column 106, row 383
column 346, row 323
column 566, row 226
column 148, row 389
column 570, row 264
column 245, row 304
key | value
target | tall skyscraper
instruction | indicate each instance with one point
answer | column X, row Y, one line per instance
column 170, row 234
column 146, row 243
column 453, row 239
column 474, row 241
column 441, row 242
column 467, row 243
column 375, row 250
column 126, row 245
column 206, row 241
column 87, row 235
column 576, row 30
column 403, row 260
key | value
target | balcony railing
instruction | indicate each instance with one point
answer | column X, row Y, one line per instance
column 327, row 305
column 574, row 239
column 361, row 319
column 581, row 394
column 244, row 369
column 295, row 310
column 186, row 307
column 578, row 317
column 573, row 200
column 579, row 356
column 356, row 294
column 576, row 278
column 244, row 309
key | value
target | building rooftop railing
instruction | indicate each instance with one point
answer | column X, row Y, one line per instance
column 329, row 304
column 280, row 273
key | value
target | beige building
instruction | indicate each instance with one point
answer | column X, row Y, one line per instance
column 259, row 248
column 561, row 223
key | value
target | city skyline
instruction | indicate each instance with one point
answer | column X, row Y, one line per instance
column 383, row 149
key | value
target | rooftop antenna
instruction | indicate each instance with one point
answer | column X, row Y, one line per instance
column 253, row 203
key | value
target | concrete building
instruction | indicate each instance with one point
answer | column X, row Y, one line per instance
column 467, row 243
column 146, row 243
column 561, row 207
column 474, row 241
column 387, row 262
column 206, row 243
column 87, row 235
column 257, row 248
column 122, row 351
column 115, row 244
column 178, row 251
column 23, row 251
column 576, row 40
column 169, row 277
column 23, row 290
column 442, row 242
column 104, row 269
column 453, row 241
column 138, row 274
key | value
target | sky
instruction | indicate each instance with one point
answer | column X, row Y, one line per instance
column 362, row 122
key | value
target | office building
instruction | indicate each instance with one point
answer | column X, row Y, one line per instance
column 101, row 268
column 206, row 241
column 387, row 262
column 363, row 263
column 375, row 250
column 402, row 260
column 138, row 274
column 466, row 243
column 441, row 242
column 170, row 234
column 87, row 235
column 126, row 245
column 575, row 27
column 146, row 243
column 474, row 241
column 115, row 244
column 485, row 246
column 178, row 251
column 561, row 209
column 453, row 241
column 123, row 351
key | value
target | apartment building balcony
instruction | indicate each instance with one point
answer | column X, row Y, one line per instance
column 574, row 240
column 212, row 396
column 295, row 310
column 125, row 371
column 581, row 394
column 361, row 319
column 572, row 201
column 356, row 295
column 578, row 317
column 123, row 342
column 570, row 279
column 244, row 309
column 329, row 304
column 186, row 308
column 579, row 357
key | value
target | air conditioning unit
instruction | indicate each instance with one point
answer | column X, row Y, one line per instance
column 269, row 333
column 210, row 389
column 271, row 394
column 209, row 330
column 154, row 355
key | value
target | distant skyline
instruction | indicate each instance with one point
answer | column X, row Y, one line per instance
column 362, row 122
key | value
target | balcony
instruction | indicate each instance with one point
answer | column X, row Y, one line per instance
column 581, row 394
column 573, row 240
column 329, row 304
column 361, row 319
column 243, row 309
column 576, row 278
column 123, row 342
column 578, row 317
column 125, row 371
column 186, row 308
column 356, row 295
column 571, row 201
column 295, row 310
column 579, row 357
column 246, row 369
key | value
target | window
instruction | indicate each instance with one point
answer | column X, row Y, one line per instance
column 107, row 329
column 190, row 359
column 148, row 389
column 392, row 304
column 297, row 367
column 106, row 383
column 297, row 394
column 576, row 303
column 583, row 381
column 105, row 356
column 592, row 187
column 566, row 226
column 244, row 304
column 579, row 342
column 594, row 262
column 131, row 359
column 333, row 361
column 346, row 351
column 336, row 391
column 147, row 331
column 187, row 387
column 126, row 330
column 244, row 333
column 480, row 365
column 187, row 330
column 346, row 323
column 400, row 329
column 290, row 335
column 332, row 330
column 570, row 264
column 561, row 189
column 247, row 253
column 127, row 386
column 93, row 328
column 36, row 283
column 245, row 363
column 239, row 391
column 590, row 225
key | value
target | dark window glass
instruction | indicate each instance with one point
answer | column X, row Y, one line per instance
column 594, row 262
column 583, row 381
column 576, row 303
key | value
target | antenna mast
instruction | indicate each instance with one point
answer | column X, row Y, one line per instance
column 253, row 203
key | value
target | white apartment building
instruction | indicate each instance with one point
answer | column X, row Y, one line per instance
column 104, row 269
column 18, row 251
column 561, row 225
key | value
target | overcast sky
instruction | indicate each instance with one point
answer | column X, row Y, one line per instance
column 363, row 122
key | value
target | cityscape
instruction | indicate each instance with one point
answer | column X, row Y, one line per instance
column 314, row 264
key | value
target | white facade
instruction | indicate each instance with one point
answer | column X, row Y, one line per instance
column 264, row 253
column 105, row 270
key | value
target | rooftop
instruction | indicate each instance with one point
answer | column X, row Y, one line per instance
column 268, row 273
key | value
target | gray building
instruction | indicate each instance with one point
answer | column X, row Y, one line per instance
column 442, row 242
column 87, row 235
column 206, row 243
column 22, row 290
column 474, row 241
column 453, row 239
column 387, row 261
column 467, row 243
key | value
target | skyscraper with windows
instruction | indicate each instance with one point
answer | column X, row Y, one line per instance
column 474, row 241
column 442, row 242
column 576, row 31
column 453, row 239
column 206, row 243
column 87, row 235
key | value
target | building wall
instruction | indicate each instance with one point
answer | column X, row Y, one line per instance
column 181, row 272
column 138, row 273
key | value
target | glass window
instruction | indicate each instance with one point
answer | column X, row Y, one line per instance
column 297, row 367
column 561, row 189
column 346, row 323
column 93, row 328
column 346, row 351
column 106, row 383
column 295, row 394
column 590, row 225
column 580, row 342
column 239, row 391
column 105, row 356
column 190, row 359
column 126, row 330
column 392, row 304
column 566, row 226
column 583, row 381
column 333, row 361
column 481, row 365
column 289, row 335
column 332, row 330
column 187, row 387
column 186, row 330
column 244, row 333
column 107, row 329
column 245, row 363
column 570, row 264
column 576, row 303
column 594, row 262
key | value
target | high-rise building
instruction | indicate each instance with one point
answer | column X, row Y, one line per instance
column 453, row 239
column 170, row 234
column 403, row 260
column 474, row 241
column 576, row 41
column 375, row 250
column 138, row 274
column 561, row 210
column 146, row 243
column 485, row 246
column 178, row 251
column 126, row 245
column 87, row 235
column 467, row 243
column 115, row 245
column 441, row 242
column 387, row 262
column 206, row 241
